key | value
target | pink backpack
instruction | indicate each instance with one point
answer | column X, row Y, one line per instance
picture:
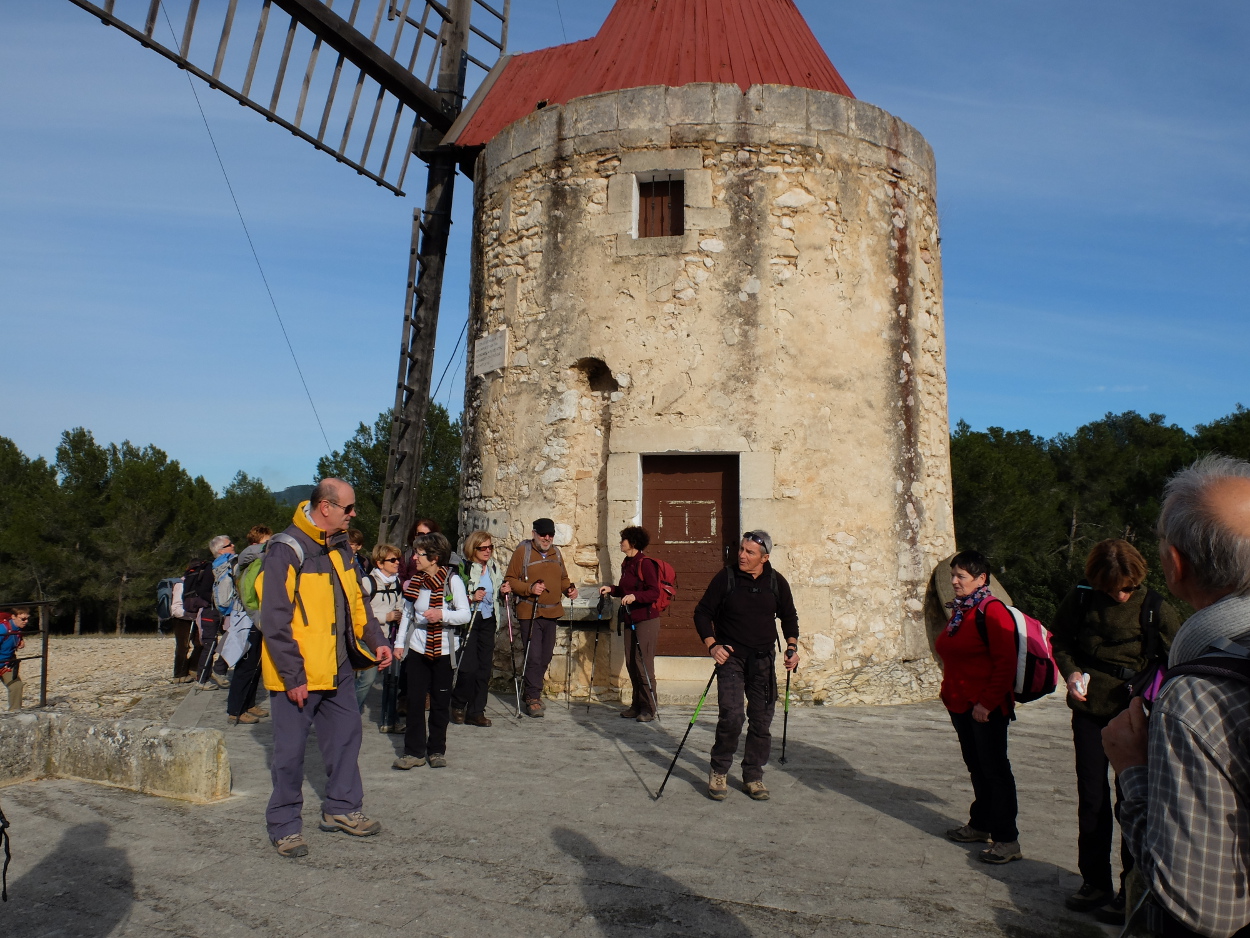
column 1036, row 672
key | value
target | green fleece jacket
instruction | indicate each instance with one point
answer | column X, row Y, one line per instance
column 1100, row 634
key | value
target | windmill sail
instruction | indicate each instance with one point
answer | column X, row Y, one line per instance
column 357, row 82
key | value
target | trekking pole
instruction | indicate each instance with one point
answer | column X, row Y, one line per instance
column 594, row 655
column 785, row 720
column 455, row 672
column 642, row 665
column 694, row 716
column 525, row 661
column 516, row 680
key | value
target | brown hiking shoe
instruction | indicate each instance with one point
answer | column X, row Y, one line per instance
column 354, row 823
column 756, row 790
column 457, row 716
column 969, row 835
column 407, row 762
column 258, row 711
column 717, row 786
column 438, row 760
column 645, row 717
column 630, row 714
column 1001, row 852
column 244, row 717
column 478, row 719
column 292, row 845
column 535, row 708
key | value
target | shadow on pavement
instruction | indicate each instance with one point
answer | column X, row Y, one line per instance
column 655, row 743
column 625, row 899
column 83, row 888
column 1036, row 890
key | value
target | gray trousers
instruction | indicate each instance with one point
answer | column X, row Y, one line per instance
column 14, row 685
column 750, row 678
column 336, row 718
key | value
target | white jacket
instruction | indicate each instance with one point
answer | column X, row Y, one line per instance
column 412, row 627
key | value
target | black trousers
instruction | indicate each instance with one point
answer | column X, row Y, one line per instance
column 186, row 646
column 210, row 639
column 246, row 678
column 540, row 638
column 984, row 747
column 427, row 676
column 1094, row 809
column 477, row 659
column 750, row 678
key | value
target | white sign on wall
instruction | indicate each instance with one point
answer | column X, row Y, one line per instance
column 490, row 353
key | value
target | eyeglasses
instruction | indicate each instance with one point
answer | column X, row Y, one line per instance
column 1129, row 589
column 390, row 560
column 752, row 536
column 424, row 553
column 346, row 509
column 485, row 547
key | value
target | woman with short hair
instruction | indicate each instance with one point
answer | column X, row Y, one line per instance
column 381, row 587
column 1107, row 630
column 639, row 591
column 978, row 653
column 483, row 576
column 435, row 603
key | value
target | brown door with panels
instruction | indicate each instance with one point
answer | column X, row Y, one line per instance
column 690, row 506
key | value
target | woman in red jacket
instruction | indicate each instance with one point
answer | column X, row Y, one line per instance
column 639, row 591
column 978, row 652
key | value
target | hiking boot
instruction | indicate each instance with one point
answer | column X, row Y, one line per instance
column 535, row 708
column 969, row 835
column 1112, row 913
column 398, row 729
column 258, row 711
column 438, row 760
column 185, row 679
column 630, row 714
column 1087, row 898
column 354, row 823
column 205, row 685
column 717, row 786
column 478, row 719
column 645, row 717
column 292, row 845
column 457, row 716
column 245, row 717
column 1001, row 851
column 407, row 762
column 219, row 680
column 756, row 790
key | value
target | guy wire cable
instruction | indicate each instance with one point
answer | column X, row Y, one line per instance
column 248, row 235
column 560, row 13
column 455, row 355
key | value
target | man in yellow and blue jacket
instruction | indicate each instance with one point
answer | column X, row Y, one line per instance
column 317, row 631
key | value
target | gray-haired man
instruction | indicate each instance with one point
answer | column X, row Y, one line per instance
column 1185, row 768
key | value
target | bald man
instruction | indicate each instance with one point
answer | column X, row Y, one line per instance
column 1185, row 768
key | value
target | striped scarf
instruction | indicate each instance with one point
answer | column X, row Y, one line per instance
column 961, row 606
column 436, row 583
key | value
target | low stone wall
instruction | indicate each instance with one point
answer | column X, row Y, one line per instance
column 187, row 764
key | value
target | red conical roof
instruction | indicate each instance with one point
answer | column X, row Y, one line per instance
column 661, row 42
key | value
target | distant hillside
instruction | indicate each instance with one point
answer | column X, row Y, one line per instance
column 293, row 494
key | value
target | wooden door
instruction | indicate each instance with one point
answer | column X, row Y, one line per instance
column 690, row 506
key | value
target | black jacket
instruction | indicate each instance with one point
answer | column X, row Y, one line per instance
column 745, row 616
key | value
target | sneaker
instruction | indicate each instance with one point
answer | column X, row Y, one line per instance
column 969, row 835
column 292, row 845
column 1001, row 851
column 354, row 823
column 220, row 681
column 457, row 716
column 717, row 786
column 258, row 711
column 185, row 679
column 535, row 708
column 244, row 717
column 645, row 717
column 1087, row 898
column 438, row 760
column 630, row 714
column 398, row 729
column 1112, row 913
column 205, row 685
column 756, row 790
column 408, row 762
column 478, row 719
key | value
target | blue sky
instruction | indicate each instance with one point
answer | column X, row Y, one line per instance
column 1094, row 191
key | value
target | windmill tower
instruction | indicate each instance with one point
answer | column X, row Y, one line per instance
column 707, row 297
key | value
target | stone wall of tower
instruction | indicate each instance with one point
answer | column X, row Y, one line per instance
column 797, row 322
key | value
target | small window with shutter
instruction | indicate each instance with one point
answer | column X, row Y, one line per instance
column 661, row 207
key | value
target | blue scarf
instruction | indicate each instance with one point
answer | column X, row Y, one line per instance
column 961, row 606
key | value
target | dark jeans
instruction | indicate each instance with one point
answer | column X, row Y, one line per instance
column 984, row 747
column 541, row 647
column 246, row 678
column 477, row 659
column 642, row 652
column 210, row 639
column 337, row 720
column 751, row 678
column 1094, row 811
column 427, row 676
column 186, row 646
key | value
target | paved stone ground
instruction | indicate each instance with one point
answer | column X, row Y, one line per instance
column 548, row 828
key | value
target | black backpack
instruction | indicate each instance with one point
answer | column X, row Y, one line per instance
column 198, row 581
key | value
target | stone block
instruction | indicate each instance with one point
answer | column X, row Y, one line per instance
column 755, row 474
column 827, row 111
column 642, row 108
column 608, row 140
column 624, row 477
column 689, row 104
column 661, row 439
column 186, row 764
column 705, row 219
column 728, row 104
column 498, row 151
column 640, row 137
column 660, row 161
column 593, row 114
column 698, row 188
column 869, row 123
column 783, row 107
column 628, row 246
column 526, row 136
column 621, row 189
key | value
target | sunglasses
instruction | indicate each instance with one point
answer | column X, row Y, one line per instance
column 752, row 536
column 391, row 560
column 486, row 547
column 346, row 509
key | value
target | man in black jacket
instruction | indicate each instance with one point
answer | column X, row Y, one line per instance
column 736, row 619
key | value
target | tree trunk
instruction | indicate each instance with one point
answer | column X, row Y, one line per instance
column 1072, row 538
column 77, row 618
column 121, row 593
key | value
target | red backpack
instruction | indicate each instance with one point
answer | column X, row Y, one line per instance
column 668, row 584
column 1037, row 674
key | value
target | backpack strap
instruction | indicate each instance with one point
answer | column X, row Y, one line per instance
column 979, row 619
column 525, row 564
column 1152, row 637
column 283, row 538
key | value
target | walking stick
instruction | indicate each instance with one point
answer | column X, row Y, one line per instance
column 516, row 680
column 594, row 655
column 455, row 672
column 525, row 661
column 694, row 716
column 785, row 720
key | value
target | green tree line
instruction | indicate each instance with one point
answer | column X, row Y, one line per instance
column 101, row 525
